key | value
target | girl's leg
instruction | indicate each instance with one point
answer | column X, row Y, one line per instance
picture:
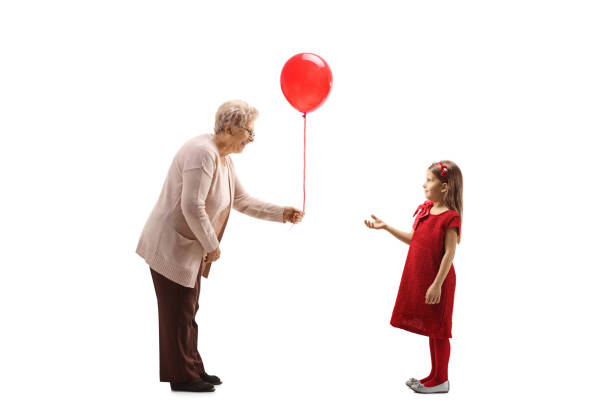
column 432, row 353
column 442, row 351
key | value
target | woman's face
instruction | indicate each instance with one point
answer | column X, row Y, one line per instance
column 241, row 136
column 435, row 190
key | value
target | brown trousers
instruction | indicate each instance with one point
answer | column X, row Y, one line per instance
column 177, row 305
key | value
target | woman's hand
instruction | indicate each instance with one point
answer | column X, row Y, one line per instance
column 377, row 224
column 292, row 215
column 433, row 294
column 212, row 256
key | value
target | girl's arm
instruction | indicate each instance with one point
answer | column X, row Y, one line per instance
column 450, row 244
column 380, row 224
column 403, row 236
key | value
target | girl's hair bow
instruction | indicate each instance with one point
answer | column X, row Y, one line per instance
column 444, row 171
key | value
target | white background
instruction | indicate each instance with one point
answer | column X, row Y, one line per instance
column 96, row 97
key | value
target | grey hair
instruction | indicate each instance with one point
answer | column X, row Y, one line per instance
column 234, row 113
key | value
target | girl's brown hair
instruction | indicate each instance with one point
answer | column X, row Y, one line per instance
column 454, row 181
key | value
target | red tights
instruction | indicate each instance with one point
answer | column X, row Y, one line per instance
column 439, row 349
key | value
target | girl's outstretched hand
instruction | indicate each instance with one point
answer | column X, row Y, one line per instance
column 377, row 224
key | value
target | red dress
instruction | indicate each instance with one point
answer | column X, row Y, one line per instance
column 422, row 264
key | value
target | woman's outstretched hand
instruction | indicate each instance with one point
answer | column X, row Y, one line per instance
column 376, row 224
column 293, row 215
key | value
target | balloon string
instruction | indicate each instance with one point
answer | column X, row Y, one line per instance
column 304, row 171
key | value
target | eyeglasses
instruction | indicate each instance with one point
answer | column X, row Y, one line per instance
column 250, row 132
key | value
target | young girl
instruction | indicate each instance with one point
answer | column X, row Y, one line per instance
column 424, row 302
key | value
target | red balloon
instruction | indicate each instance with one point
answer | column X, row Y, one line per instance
column 306, row 81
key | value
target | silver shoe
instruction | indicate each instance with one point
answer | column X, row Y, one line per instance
column 438, row 389
column 411, row 381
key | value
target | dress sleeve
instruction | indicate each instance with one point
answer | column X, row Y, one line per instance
column 455, row 222
column 415, row 223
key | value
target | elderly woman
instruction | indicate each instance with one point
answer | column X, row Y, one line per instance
column 181, row 237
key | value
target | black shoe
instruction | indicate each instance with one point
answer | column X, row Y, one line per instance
column 192, row 386
column 211, row 379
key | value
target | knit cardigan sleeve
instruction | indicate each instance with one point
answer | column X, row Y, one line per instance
column 196, row 183
column 254, row 207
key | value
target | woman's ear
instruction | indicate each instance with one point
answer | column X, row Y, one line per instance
column 228, row 129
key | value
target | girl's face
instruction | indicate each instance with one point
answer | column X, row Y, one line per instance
column 435, row 190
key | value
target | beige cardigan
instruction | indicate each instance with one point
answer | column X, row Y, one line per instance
column 180, row 227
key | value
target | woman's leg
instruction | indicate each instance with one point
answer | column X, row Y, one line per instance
column 176, row 305
column 442, row 350
column 432, row 353
column 199, row 365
